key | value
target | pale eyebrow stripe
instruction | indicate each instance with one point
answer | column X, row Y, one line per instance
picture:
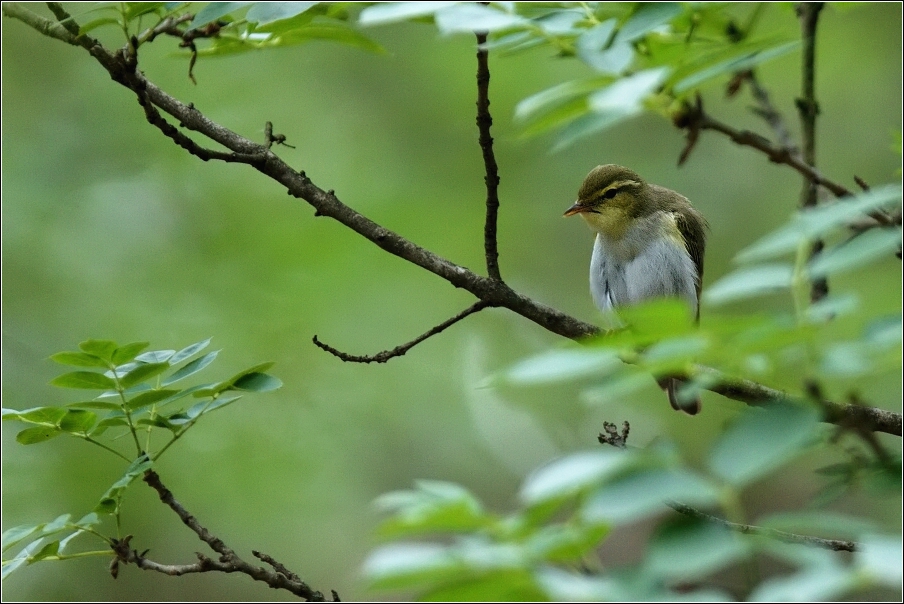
column 617, row 185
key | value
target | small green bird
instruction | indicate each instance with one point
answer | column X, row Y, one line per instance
column 649, row 244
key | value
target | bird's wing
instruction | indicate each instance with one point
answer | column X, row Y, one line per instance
column 694, row 234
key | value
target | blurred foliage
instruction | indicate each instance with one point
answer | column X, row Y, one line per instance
column 171, row 249
column 136, row 399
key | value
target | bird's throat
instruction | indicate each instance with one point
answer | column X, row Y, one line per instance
column 612, row 222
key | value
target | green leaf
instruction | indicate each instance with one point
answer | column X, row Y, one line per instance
column 78, row 420
column 143, row 372
column 99, row 348
column 492, row 586
column 268, row 12
column 214, row 11
column 95, row 405
column 594, row 49
column 393, row 12
column 613, row 104
column 191, row 368
column 572, row 474
column 814, row 584
column 49, row 550
column 562, row 365
column 565, row 586
column 880, row 557
column 257, row 382
column 136, row 9
column 735, row 65
column 863, row 249
column 690, row 549
column 761, row 439
column 87, row 380
column 819, row 222
column 399, row 565
column 79, row 359
column 433, row 507
column 155, row 356
column 17, row 534
column 95, row 23
column 750, row 282
column 188, row 351
column 36, row 415
column 150, row 397
column 469, row 18
column 547, row 100
column 109, row 501
column 648, row 17
column 109, row 422
column 642, row 493
column 20, row 559
column 822, row 523
column 30, row 436
column 565, row 542
column 126, row 353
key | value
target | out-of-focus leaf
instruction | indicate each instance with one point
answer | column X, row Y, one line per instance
column 750, row 282
column 432, row 507
column 214, row 11
column 392, row 12
column 689, row 549
column 79, row 359
column 642, row 493
column 20, row 559
column 268, row 12
column 615, row 103
column 819, row 222
column 469, row 18
column 881, row 559
column 552, row 98
column 822, row 523
column 400, row 565
column 565, row 542
column 813, row 584
column 762, row 439
column 18, row 534
column 833, row 306
column 562, row 365
column 863, row 249
column 136, row 9
column 563, row 586
column 497, row 586
column 592, row 49
column 571, row 474
column 734, row 65
column 649, row 16
column 616, row 388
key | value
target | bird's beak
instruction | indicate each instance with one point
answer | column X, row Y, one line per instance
column 577, row 208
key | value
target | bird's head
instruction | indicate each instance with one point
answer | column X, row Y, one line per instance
column 610, row 199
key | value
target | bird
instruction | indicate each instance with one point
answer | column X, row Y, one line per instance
column 649, row 244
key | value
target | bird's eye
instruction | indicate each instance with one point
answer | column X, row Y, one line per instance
column 609, row 194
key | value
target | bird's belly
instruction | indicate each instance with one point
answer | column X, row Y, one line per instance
column 662, row 269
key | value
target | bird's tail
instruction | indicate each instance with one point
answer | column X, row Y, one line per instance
column 691, row 406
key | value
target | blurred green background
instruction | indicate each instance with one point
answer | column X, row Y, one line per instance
column 110, row 231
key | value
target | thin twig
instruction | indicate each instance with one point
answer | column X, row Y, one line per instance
column 492, row 292
column 808, row 12
column 484, row 122
column 620, row 440
column 748, row 529
column 229, row 561
column 770, row 114
column 382, row 357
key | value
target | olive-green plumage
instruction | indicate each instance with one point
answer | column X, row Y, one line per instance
column 649, row 243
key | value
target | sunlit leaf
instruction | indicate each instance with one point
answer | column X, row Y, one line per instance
column 392, row 12
column 214, row 11
column 562, row 365
column 126, row 353
column 863, row 249
column 99, row 348
column 571, row 474
column 881, row 558
column 190, row 368
column 688, row 549
column 649, row 16
column 468, row 18
column 188, row 351
column 267, row 12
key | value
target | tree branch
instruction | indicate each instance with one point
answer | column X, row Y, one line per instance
column 770, row 114
column 382, row 357
column 484, row 121
column 229, row 561
column 749, row 529
column 490, row 291
column 809, row 109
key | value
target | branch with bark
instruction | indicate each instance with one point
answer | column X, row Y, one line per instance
column 491, row 292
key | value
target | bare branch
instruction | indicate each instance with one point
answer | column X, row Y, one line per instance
column 770, row 114
column 229, row 561
column 749, row 529
column 382, row 357
column 809, row 109
column 484, row 122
